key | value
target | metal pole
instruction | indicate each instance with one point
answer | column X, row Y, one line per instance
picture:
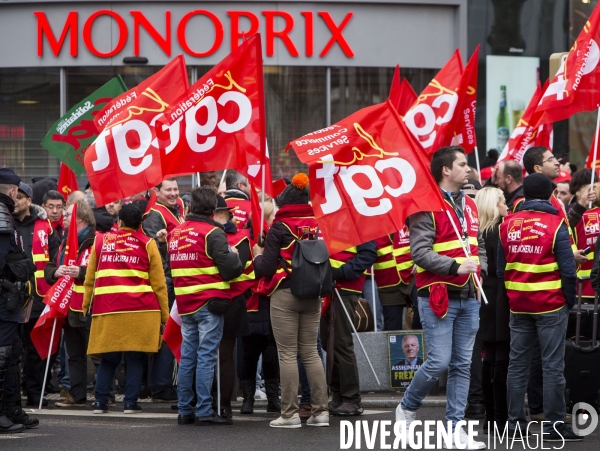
column 193, row 80
column 47, row 364
column 357, row 337
column 595, row 153
column 262, row 208
column 328, row 97
column 63, row 91
column 223, row 177
column 218, row 383
column 373, row 294
column 477, row 163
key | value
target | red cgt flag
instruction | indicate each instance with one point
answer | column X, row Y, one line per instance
column 256, row 214
column 431, row 117
column 67, row 181
column 574, row 88
column 589, row 162
column 402, row 95
column 221, row 118
column 125, row 158
column 57, row 299
column 464, row 118
column 364, row 179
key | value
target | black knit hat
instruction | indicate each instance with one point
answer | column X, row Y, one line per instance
column 296, row 192
column 537, row 186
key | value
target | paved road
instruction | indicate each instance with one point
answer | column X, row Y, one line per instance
column 156, row 430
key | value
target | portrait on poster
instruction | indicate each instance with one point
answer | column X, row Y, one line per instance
column 406, row 355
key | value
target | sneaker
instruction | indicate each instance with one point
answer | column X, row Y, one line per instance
column 405, row 415
column 64, row 393
column 100, row 407
column 69, row 402
column 132, row 408
column 321, row 420
column 259, row 394
column 289, row 423
column 564, row 434
column 305, row 412
column 111, row 402
column 475, row 411
column 167, row 395
column 332, row 405
column 348, row 409
column 466, row 443
column 18, row 416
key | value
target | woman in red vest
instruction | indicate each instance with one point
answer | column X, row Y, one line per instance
column 129, row 291
column 295, row 321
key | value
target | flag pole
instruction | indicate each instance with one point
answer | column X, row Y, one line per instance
column 595, row 153
column 262, row 203
column 475, row 276
column 373, row 297
column 357, row 337
column 222, row 178
column 477, row 163
column 218, row 383
column 47, row 364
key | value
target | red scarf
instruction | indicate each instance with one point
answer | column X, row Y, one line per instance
column 293, row 211
column 56, row 224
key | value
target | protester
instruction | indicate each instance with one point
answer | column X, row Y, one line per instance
column 581, row 198
column 235, row 324
column 76, row 334
column 493, row 316
column 39, row 242
column 509, row 178
column 563, row 193
column 237, row 197
column 74, row 197
column 203, row 298
column 126, row 280
column 54, row 204
column 538, row 313
column 113, row 208
column 295, row 321
column 447, row 304
column 15, row 267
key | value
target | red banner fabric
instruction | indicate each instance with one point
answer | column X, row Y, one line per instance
column 67, row 181
column 363, row 172
column 464, row 117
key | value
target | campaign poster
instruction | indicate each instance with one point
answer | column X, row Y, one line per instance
column 406, row 355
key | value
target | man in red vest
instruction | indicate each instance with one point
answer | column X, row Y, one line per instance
column 535, row 260
column 54, row 204
column 39, row 242
column 237, row 197
column 447, row 303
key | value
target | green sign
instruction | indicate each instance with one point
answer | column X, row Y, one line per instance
column 72, row 134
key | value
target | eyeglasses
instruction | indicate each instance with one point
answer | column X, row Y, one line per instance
column 54, row 207
column 549, row 160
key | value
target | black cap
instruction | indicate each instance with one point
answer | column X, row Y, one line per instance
column 221, row 204
column 537, row 186
column 8, row 177
column 26, row 189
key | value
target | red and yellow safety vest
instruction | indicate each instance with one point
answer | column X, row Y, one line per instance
column 40, row 253
column 241, row 209
column 297, row 226
column 122, row 279
column 195, row 275
column 587, row 231
column 386, row 270
column 78, row 290
column 531, row 276
column 171, row 221
column 447, row 243
column 340, row 259
column 244, row 282
column 402, row 254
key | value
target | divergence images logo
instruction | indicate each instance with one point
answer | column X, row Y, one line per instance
column 514, row 229
column 586, row 421
column 591, row 225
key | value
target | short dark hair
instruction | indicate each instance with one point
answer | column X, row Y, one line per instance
column 534, row 157
column 53, row 195
column 512, row 168
column 131, row 216
column 233, row 178
column 443, row 158
column 204, row 201
column 580, row 178
column 159, row 186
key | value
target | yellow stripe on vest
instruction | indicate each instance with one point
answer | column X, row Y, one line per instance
column 202, row 287
column 194, row 271
column 385, row 250
column 121, row 273
column 401, row 251
column 533, row 286
column 459, row 260
column 40, row 258
column 455, row 244
column 122, row 289
column 385, row 265
column 524, row 267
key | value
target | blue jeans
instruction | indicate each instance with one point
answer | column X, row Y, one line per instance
column 449, row 345
column 133, row 378
column 305, row 387
column 549, row 329
column 201, row 332
column 375, row 304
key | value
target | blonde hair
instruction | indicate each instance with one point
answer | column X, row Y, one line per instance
column 85, row 213
column 487, row 200
column 269, row 210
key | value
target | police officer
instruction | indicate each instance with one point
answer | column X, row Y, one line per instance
column 15, row 271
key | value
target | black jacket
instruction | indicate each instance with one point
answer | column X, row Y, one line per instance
column 366, row 254
column 512, row 197
column 562, row 251
column 104, row 220
column 153, row 222
column 8, row 245
column 26, row 227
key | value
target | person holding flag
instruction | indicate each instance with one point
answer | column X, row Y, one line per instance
column 447, row 301
column 237, row 197
column 15, row 272
column 76, row 333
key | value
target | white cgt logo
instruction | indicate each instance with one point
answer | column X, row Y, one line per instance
column 359, row 195
column 427, row 132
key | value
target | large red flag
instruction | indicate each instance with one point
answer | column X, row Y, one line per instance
column 402, row 95
column 429, row 118
column 57, row 299
column 589, row 163
column 575, row 86
column 364, row 172
column 524, row 135
column 172, row 334
column 221, row 118
column 125, row 158
column 67, row 181
column 464, row 118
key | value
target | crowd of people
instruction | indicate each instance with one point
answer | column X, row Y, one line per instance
column 521, row 240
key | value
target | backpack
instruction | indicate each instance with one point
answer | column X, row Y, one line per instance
column 311, row 275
